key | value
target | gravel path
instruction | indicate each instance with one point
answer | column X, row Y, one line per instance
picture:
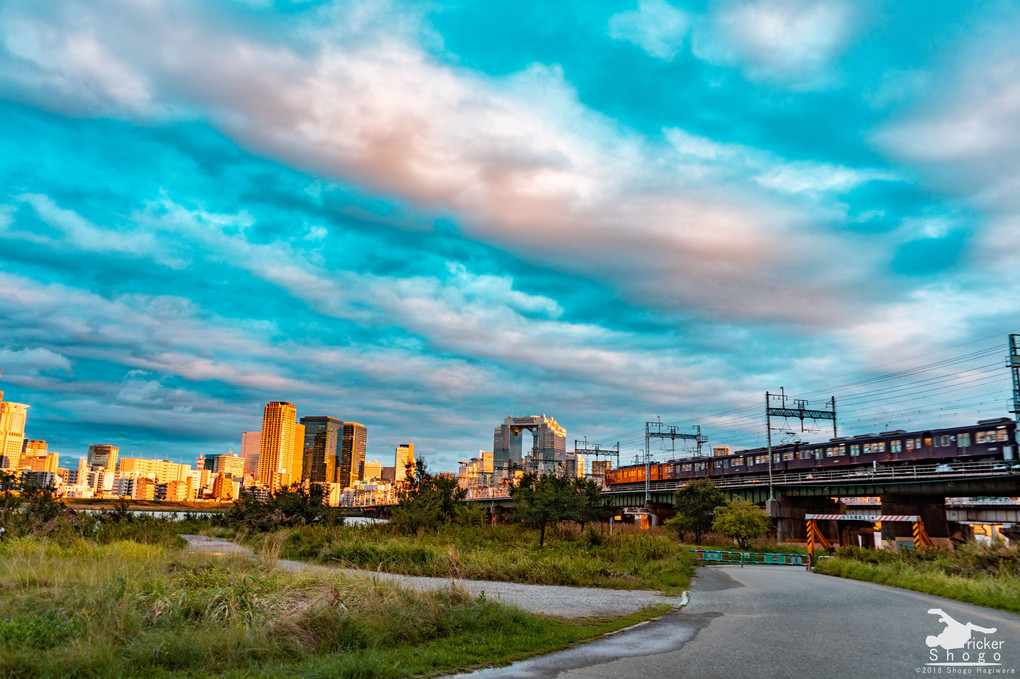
column 569, row 602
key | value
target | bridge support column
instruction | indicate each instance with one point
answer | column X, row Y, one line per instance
column 790, row 525
column 931, row 509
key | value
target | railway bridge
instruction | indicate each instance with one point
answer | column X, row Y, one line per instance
column 919, row 489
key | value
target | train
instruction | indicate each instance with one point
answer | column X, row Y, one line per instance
column 986, row 440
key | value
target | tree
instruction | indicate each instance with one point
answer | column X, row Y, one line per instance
column 541, row 500
column 743, row 521
column 427, row 501
column 590, row 505
column 695, row 508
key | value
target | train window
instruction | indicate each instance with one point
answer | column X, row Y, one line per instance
column 895, row 446
column 927, row 438
column 1000, row 435
column 819, row 453
column 980, row 437
column 910, row 444
column 737, row 462
column 788, row 456
column 878, row 447
column 840, row 450
column 963, row 440
column 687, row 467
column 855, row 450
column 945, row 440
column 867, row 448
column 775, row 458
column 805, row 454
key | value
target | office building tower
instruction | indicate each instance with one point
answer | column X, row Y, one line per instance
column 548, row 450
column 404, row 456
column 276, row 452
column 34, row 448
column 12, row 432
column 321, row 454
column 251, row 441
column 298, row 456
column 373, row 471
column 103, row 455
column 163, row 471
column 230, row 465
column 352, row 454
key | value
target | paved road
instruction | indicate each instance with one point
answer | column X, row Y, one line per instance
column 771, row 621
column 569, row 602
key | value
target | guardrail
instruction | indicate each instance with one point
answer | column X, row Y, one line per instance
column 753, row 558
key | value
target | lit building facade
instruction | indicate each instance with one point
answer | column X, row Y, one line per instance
column 276, row 451
column 103, row 455
column 230, row 465
column 162, row 471
column 548, row 452
column 402, row 459
column 251, row 442
column 322, row 448
column 12, row 432
column 352, row 454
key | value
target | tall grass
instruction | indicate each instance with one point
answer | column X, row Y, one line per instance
column 977, row 574
column 506, row 553
column 82, row 609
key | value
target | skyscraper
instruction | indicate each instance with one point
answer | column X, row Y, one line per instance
column 404, row 456
column 12, row 432
column 251, row 442
column 276, row 452
column 352, row 454
column 297, row 456
column 103, row 455
column 321, row 453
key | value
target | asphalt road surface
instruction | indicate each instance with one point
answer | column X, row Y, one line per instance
column 775, row 621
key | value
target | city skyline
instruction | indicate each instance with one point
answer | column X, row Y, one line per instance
column 423, row 218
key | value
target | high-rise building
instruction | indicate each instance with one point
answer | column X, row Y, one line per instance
column 297, row 459
column 251, row 441
column 34, row 447
column 403, row 457
column 373, row 471
column 230, row 465
column 47, row 462
column 163, row 471
column 276, row 452
column 352, row 454
column 12, row 432
column 548, row 450
column 103, row 455
column 321, row 454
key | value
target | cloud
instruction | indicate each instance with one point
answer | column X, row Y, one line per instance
column 656, row 26
column 520, row 161
column 20, row 363
column 788, row 42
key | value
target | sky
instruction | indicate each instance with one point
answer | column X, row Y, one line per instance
column 425, row 216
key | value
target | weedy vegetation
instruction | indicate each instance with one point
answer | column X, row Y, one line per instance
column 986, row 575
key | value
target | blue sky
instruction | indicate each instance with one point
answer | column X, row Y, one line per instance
column 425, row 216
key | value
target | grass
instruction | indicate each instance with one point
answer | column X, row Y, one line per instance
column 983, row 575
column 502, row 553
column 79, row 608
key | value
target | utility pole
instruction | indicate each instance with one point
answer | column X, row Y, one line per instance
column 597, row 449
column 655, row 430
column 799, row 412
column 1013, row 363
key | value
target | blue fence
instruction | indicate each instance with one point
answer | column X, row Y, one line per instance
column 752, row 558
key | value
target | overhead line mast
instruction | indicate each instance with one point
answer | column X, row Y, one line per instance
column 799, row 412
column 672, row 433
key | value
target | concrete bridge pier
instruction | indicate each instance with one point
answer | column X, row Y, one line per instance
column 931, row 509
column 790, row 523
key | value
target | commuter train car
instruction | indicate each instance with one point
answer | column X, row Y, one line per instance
column 986, row 440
